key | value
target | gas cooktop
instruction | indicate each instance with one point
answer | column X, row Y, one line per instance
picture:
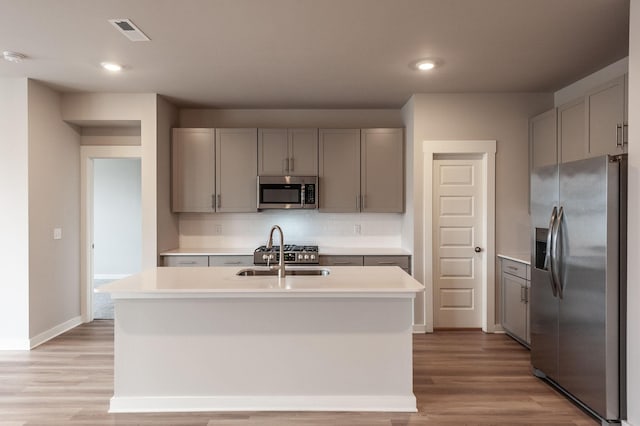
column 296, row 254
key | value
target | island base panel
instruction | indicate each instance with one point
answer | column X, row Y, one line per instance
column 252, row 354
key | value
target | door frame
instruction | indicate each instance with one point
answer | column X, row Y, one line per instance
column 487, row 150
column 88, row 153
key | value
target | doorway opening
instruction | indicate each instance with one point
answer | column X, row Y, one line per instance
column 111, row 222
column 117, row 226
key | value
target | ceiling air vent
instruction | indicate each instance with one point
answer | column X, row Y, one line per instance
column 128, row 28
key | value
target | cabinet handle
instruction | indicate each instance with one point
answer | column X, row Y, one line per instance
column 526, row 295
column 219, row 200
column 512, row 268
column 213, row 201
column 364, row 202
column 625, row 134
column 285, row 165
column 618, row 134
column 193, row 262
column 522, row 289
column 357, row 203
column 233, row 263
column 290, row 165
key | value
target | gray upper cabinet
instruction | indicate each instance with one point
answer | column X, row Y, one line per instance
column 236, row 170
column 606, row 107
column 572, row 131
column 382, row 170
column 193, row 170
column 543, row 139
column 339, row 170
column 291, row 152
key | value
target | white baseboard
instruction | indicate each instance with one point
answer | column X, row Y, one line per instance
column 110, row 276
column 14, row 345
column 389, row 403
column 419, row 329
column 626, row 423
column 54, row 331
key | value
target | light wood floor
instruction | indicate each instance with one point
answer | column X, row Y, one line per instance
column 460, row 378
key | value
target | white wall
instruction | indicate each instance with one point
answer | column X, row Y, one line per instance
column 54, row 202
column 168, row 234
column 14, row 226
column 501, row 117
column 249, row 230
column 633, row 268
column 117, row 216
column 105, row 109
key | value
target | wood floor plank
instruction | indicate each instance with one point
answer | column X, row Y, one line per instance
column 460, row 378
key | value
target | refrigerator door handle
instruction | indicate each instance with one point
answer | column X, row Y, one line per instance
column 554, row 254
column 548, row 265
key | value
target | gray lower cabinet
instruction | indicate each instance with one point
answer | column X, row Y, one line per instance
column 231, row 260
column 515, row 282
column 341, row 260
column 402, row 261
column 186, row 261
column 205, row 260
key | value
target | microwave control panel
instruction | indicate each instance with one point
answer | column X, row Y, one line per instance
column 310, row 194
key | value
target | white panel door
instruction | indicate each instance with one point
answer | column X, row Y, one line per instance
column 457, row 218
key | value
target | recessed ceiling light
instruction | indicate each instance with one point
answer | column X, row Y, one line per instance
column 111, row 66
column 426, row 65
column 13, row 56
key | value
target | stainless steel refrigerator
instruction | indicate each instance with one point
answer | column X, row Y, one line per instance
column 578, row 281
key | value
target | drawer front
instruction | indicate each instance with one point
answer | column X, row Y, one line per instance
column 341, row 261
column 401, row 261
column 235, row 260
column 186, row 260
column 515, row 268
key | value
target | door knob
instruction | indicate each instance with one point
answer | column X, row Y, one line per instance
column 477, row 249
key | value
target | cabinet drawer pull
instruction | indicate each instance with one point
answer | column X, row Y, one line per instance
column 192, row 262
column 387, row 263
column 512, row 268
column 233, row 263
column 342, row 263
column 290, row 165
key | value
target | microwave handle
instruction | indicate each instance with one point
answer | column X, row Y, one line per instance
column 303, row 194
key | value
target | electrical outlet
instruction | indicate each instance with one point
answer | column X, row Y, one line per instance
column 357, row 229
column 57, row 233
column 218, row 229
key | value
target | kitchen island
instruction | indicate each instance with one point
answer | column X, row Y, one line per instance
column 206, row 339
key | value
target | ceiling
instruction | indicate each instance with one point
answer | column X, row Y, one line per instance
column 312, row 53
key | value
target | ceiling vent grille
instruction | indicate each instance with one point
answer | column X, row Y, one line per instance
column 128, row 28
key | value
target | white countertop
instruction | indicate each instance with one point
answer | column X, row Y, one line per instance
column 209, row 282
column 517, row 257
column 324, row 251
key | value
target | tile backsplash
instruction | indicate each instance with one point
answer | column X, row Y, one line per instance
column 249, row 230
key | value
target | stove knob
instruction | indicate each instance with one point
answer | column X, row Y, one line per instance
column 313, row 257
column 300, row 256
column 306, row 257
column 270, row 257
column 265, row 257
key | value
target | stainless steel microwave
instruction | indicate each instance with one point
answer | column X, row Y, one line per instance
column 287, row 192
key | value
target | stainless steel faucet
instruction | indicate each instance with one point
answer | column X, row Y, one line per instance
column 280, row 267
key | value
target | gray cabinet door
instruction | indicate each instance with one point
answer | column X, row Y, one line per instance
column 401, row 261
column 543, row 139
column 605, row 115
column 272, row 152
column 236, row 170
column 382, row 170
column 339, row 170
column 572, row 131
column 341, row 260
column 303, row 152
column 513, row 305
column 193, row 170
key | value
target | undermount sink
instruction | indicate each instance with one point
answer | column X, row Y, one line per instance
column 274, row 272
